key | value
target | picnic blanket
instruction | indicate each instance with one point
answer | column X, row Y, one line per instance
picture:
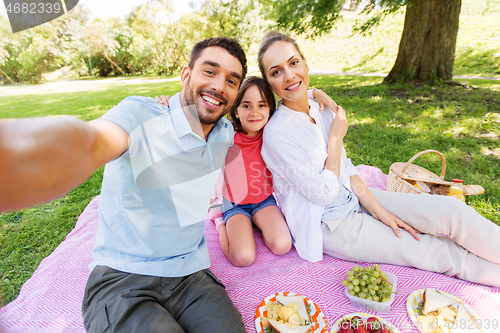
column 50, row 301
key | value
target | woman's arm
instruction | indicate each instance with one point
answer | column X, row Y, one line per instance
column 42, row 159
column 338, row 130
column 287, row 161
column 368, row 201
column 284, row 156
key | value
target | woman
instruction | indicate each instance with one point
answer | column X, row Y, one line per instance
column 330, row 210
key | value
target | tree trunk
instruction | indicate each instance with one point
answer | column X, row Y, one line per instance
column 427, row 46
column 113, row 63
column 8, row 77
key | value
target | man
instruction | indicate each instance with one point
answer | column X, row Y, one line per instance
column 150, row 262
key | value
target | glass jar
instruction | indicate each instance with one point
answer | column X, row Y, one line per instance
column 457, row 189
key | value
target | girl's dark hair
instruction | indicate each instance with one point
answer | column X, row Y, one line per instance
column 269, row 39
column 266, row 93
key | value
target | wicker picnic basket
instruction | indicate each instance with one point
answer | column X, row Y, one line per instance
column 403, row 177
column 401, row 174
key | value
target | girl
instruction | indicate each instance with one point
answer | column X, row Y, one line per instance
column 248, row 190
column 329, row 209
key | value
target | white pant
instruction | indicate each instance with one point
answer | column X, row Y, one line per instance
column 473, row 256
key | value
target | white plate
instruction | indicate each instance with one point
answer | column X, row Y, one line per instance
column 364, row 316
column 418, row 295
column 317, row 317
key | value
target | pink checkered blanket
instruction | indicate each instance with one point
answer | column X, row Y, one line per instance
column 50, row 301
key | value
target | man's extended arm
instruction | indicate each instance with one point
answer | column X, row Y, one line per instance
column 42, row 159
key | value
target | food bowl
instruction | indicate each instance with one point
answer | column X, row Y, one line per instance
column 372, row 305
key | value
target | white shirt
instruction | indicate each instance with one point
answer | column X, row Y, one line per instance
column 295, row 150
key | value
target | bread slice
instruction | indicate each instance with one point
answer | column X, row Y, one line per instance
column 464, row 322
column 434, row 300
column 285, row 300
column 288, row 328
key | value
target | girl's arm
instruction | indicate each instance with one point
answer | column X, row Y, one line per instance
column 368, row 201
column 323, row 99
column 163, row 100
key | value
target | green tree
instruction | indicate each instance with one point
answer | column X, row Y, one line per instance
column 171, row 52
column 4, row 55
column 427, row 46
column 28, row 54
column 99, row 43
column 150, row 25
column 237, row 19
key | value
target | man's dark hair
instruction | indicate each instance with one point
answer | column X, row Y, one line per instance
column 230, row 45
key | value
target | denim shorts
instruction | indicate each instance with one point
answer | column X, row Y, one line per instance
column 230, row 208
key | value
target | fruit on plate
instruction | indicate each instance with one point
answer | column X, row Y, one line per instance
column 370, row 283
column 356, row 324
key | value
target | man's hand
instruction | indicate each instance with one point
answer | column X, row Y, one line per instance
column 163, row 100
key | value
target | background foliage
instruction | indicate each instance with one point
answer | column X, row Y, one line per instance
column 147, row 42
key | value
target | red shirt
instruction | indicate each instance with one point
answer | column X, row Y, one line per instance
column 246, row 177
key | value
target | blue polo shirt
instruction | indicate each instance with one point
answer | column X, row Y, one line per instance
column 155, row 197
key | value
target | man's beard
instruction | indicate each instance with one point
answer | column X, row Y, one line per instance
column 193, row 105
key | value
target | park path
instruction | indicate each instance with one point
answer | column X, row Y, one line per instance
column 64, row 86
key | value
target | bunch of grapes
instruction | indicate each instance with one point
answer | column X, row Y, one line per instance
column 369, row 283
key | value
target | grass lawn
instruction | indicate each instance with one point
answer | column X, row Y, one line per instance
column 387, row 124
